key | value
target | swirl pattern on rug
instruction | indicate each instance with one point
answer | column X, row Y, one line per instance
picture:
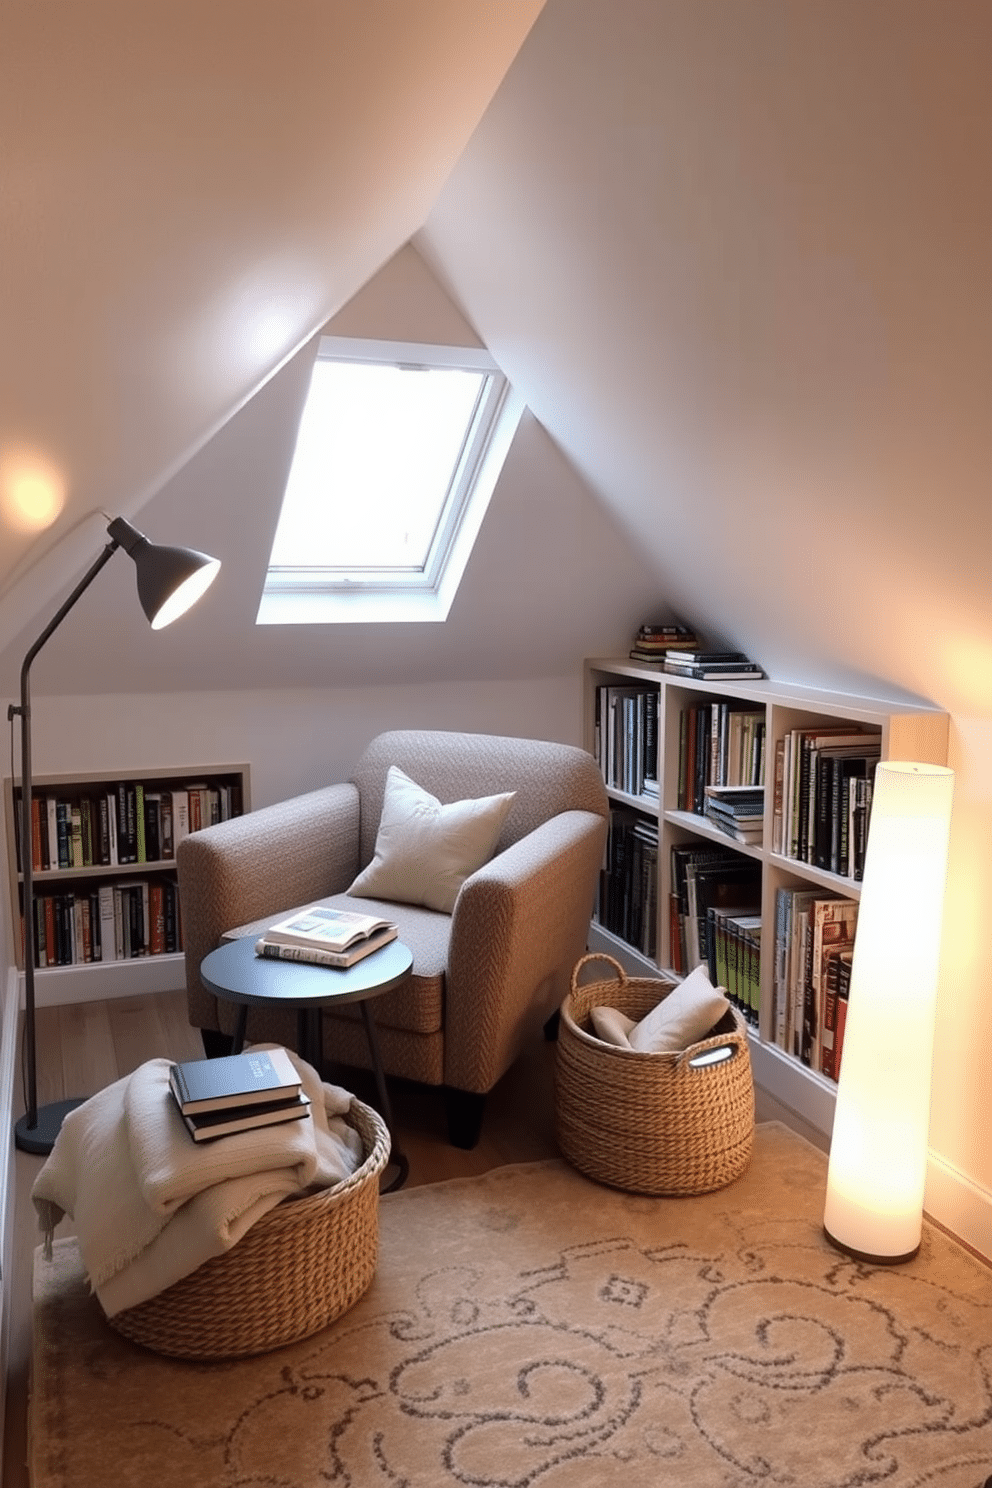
column 530, row 1328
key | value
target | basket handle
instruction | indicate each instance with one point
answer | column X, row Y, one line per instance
column 716, row 1050
column 597, row 956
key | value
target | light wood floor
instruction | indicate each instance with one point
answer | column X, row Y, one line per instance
column 85, row 1047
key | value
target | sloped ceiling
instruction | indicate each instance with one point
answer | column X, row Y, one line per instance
column 188, row 191
column 736, row 258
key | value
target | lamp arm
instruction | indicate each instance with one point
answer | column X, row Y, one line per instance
column 27, row 865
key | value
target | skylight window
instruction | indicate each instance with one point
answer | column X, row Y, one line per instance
column 397, row 455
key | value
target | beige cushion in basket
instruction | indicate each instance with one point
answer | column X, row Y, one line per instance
column 425, row 851
column 680, row 1020
column 611, row 1025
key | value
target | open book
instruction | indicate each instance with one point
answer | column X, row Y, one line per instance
column 319, row 927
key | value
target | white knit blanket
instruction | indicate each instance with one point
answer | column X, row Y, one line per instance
column 150, row 1205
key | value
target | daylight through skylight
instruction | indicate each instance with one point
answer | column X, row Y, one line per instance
column 377, row 452
column 397, row 454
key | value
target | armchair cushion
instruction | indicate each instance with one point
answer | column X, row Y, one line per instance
column 424, row 851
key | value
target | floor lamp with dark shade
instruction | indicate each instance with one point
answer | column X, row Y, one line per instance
column 170, row 580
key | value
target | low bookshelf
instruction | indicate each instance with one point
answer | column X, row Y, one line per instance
column 104, row 873
column 659, row 740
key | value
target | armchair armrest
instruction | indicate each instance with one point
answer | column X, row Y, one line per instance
column 520, row 924
column 259, row 865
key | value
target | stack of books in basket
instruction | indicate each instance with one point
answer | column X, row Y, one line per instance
column 217, row 1097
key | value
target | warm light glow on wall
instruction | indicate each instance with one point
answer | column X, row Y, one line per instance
column 878, row 1151
column 32, row 491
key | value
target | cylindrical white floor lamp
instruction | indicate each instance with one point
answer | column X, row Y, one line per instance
column 878, row 1151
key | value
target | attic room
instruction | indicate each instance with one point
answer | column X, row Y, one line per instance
column 732, row 259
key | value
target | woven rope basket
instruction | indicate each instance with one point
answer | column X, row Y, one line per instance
column 299, row 1267
column 650, row 1123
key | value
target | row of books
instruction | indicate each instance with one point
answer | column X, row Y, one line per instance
column 720, row 743
column 822, row 796
column 625, row 738
column 128, row 822
column 704, row 877
column 237, row 1092
column 814, row 944
column 627, row 902
column 114, row 922
column 733, row 945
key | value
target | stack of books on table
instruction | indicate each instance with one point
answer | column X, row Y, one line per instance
column 711, row 665
column 737, row 810
column 237, row 1092
column 325, row 937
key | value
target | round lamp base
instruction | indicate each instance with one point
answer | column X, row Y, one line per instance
column 40, row 1138
column 872, row 1260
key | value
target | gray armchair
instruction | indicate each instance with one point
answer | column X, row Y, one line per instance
column 485, row 977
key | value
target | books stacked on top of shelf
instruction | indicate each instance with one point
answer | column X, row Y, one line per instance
column 217, row 1097
column 323, row 936
column 703, row 665
column 655, row 642
column 737, row 810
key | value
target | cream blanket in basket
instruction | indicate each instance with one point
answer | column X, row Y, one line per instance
column 150, row 1205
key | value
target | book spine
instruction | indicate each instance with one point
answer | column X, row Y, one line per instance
column 153, row 817
column 37, row 856
column 63, row 831
column 76, row 835
column 309, row 954
column 138, row 820
column 86, row 821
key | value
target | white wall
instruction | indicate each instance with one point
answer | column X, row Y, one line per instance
column 293, row 739
column 737, row 259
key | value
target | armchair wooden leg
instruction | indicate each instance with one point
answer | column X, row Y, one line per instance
column 465, row 1110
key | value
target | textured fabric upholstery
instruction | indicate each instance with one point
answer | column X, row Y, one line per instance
column 483, row 978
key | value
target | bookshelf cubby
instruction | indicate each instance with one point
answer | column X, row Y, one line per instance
column 118, row 872
column 642, row 749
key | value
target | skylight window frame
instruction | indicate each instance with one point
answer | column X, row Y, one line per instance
column 338, row 593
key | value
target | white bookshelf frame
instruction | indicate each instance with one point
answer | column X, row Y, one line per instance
column 907, row 732
column 96, row 980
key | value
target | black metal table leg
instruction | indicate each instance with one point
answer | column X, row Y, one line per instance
column 239, row 1029
column 396, row 1156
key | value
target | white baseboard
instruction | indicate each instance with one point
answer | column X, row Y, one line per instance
column 959, row 1204
column 62, row 985
column 806, row 1103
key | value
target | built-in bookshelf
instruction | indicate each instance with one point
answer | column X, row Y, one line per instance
column 738, row 820
column 103, row 851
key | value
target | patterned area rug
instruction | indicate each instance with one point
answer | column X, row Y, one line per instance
column 531, row 1328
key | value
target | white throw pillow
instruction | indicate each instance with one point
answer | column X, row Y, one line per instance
column 611, row 1025
column 425, row 851
column 682, row 1018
